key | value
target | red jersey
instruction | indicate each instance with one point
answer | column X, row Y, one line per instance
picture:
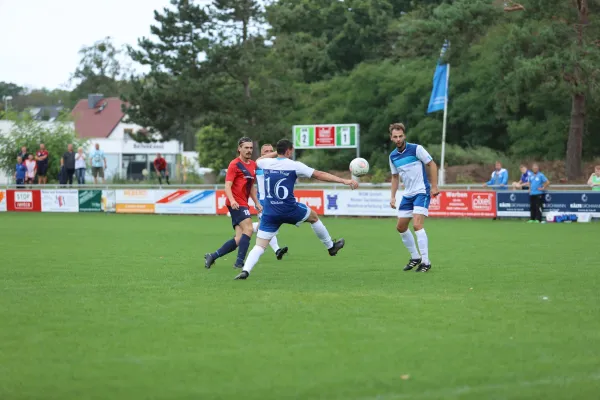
column 243, row 176
column 160, row 164
column 42, row 153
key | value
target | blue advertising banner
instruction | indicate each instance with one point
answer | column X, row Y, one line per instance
column 516, row 204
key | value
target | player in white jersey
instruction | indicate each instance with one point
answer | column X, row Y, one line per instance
column 281, row 207
column 260, row 182
column 409, row 161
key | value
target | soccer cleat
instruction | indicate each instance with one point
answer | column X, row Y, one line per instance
column 208, row 260
column 238, row 265
column 337, row 246
column 242, row 275
column 413, row 262
column 423, row 268
column 281, row 252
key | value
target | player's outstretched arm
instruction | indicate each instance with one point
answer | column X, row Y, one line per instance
column 327, row 177
column 272, row 154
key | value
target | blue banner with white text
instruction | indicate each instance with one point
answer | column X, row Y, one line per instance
column 516, row 204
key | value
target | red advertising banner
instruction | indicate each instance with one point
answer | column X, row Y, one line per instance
column 312, row 198
column 325, row 136
column 463, row 203
column 24, row 200
column 221, row 198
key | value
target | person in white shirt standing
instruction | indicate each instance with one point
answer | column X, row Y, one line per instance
column 409, row 161
column 80, row 166
column 31, row 166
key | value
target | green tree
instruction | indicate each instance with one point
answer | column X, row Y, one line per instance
column 30, row 133
column 102, row 69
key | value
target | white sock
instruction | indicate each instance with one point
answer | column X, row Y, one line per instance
column 322, row 234
column 252, row 258
column 255, row 227
column 274, row 244
column 423, row 245
column 409, row 242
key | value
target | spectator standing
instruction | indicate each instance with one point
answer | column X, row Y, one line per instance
column 525, row 178
column 31, row 167
column 23, row 154
column 80, row 166
column 20, row 173
column 160, row 165
column 537, row 191
column 42, row 164
column 499, row 178
column 68, row 162
column 98, row 163
column 594, row 180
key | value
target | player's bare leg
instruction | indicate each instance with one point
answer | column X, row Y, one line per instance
column 418, row 225
column 409, row 242
column 279, row 251
column 333, row 246
column 243, row 242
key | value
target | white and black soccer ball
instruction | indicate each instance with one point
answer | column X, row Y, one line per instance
column 359, row 167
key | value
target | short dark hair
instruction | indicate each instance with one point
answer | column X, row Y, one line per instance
column 243, row 140
column 284, row 145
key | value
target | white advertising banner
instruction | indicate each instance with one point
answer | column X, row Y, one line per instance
column 109, row 201
column 135, row 201
column 374, row 203
column 2, row 200
column 61, row 200
column 185, row 202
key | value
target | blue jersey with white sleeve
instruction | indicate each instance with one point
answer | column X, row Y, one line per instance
column 410, row 165
column 280, row 175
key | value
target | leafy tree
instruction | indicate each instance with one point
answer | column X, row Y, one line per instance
column 30, row 133
column 101, row 69
column 9, row 89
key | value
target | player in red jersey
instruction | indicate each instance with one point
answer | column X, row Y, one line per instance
column 239, row 186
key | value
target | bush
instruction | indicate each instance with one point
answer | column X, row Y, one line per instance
column 30, row 133
column 457, row 155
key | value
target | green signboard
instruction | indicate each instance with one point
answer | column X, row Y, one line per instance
column 326, row 136
column 90, row 201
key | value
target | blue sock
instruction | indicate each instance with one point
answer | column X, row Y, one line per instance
column 227, row 248
column 243, row 249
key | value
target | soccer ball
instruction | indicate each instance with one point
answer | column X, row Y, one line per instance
column 145, row 172
column 359, row 167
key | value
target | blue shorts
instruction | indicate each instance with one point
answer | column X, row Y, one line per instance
column 417, row 204
column 269, row 224
column 237, row 216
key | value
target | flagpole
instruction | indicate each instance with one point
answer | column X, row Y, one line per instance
column 442, row 174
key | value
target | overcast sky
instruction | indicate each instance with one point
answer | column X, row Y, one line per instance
column 40, row 39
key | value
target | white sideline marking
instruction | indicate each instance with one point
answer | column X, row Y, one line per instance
column 459, row 390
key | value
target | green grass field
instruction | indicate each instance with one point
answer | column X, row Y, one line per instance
column 121, row 307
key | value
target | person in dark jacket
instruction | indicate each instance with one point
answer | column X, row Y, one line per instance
column 68, row 162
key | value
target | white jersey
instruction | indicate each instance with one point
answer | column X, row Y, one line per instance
column 279, row 177
column 410, row 165
column 260, row 182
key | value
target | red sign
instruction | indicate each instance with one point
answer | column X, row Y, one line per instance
column 463, row 203
column 325, row 136
column 221, row 198
column 24, row 200
column 172, row 197
column 312, row 198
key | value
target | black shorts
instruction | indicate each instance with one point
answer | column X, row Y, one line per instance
column 237, row 216
column 42, row 169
